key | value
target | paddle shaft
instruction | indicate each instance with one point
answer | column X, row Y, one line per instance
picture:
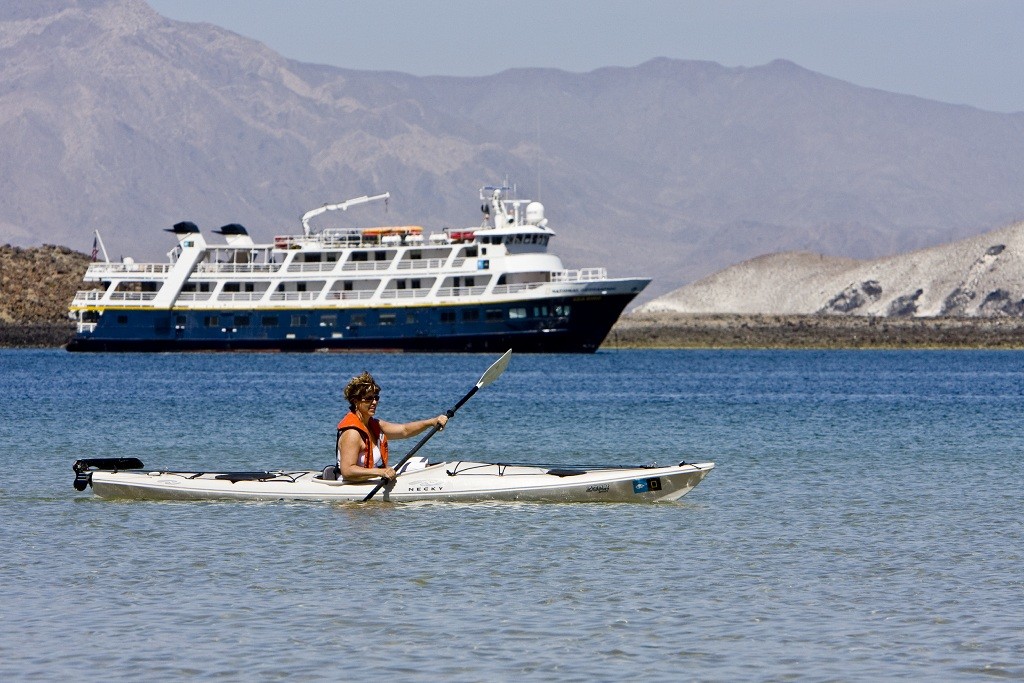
column 492, row 374
column 433, row 430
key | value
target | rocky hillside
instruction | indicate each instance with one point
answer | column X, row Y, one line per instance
column 117, row 119
column 978, row 277
column 37, row 284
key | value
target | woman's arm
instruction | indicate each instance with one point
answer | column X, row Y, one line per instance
column 395, row 430
column 349, row 444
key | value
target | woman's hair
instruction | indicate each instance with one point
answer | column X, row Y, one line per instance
column 359, row 387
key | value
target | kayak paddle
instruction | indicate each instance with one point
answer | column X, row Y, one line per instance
column 493, row 373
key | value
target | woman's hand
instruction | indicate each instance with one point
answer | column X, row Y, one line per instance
column 387, row 472
column 440, row 421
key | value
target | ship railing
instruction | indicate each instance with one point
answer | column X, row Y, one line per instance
column 334, row 237
column 422, row 264
column 350, row 294
column 322, row 267
column 404, row 293
column 366, row 265
column 519, row 287
column 240, row 296
column 87, row 296
column 100, row 269
column 86, row 328
column 237, row 267
column 294, row 296
column 581, row 275
column 461, row 291
column 132, row 296
column 194, row 296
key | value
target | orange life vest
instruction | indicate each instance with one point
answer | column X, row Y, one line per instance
column 375, row 435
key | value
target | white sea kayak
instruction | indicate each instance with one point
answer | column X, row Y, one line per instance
column 442, row 481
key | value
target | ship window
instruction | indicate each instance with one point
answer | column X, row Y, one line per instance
column 270, row 321
column 563, row 310
column 300, row 286
column 447, row 316
column 122, row 320
column 358, row 320
column 495, row 315
column 400, row 284
column 299, row 320
column 540, row 311
column 470, row 252
column 232, row 287
column 359, row 256
column 211, row 321
column 328, row 320
column 470, row 282
column 387, row 318
column 347, row 285
column 241, row 320
column 380, row 256
column 471, row 315
column 180, row 320
column 415, row 255
column 515, row 313
column 417, row 284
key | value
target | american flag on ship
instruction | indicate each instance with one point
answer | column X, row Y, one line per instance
column 95, row 247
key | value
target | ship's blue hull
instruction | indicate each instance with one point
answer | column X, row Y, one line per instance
column 575, row 324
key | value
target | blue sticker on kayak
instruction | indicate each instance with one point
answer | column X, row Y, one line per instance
column 645, row 485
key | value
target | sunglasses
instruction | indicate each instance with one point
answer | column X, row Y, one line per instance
column 370, row 399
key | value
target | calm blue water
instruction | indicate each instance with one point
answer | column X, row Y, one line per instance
column 864, row 521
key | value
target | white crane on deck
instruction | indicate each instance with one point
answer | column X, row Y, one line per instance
column 306, row 230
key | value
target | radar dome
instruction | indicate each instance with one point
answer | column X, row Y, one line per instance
column 534, row 213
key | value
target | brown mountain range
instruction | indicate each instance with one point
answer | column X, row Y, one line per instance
column 115, row 118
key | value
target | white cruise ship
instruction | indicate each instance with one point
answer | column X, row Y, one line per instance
column 485, row 288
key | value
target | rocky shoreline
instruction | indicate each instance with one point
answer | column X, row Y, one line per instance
column 35, row 335
column 668, row 330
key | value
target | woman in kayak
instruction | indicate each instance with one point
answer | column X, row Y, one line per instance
column 363, row 439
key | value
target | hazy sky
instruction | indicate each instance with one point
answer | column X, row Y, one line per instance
column 958, row 51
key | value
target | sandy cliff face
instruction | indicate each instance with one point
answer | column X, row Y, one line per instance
column 978, row 277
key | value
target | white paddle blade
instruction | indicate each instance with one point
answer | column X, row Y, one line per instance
column 494, row 372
